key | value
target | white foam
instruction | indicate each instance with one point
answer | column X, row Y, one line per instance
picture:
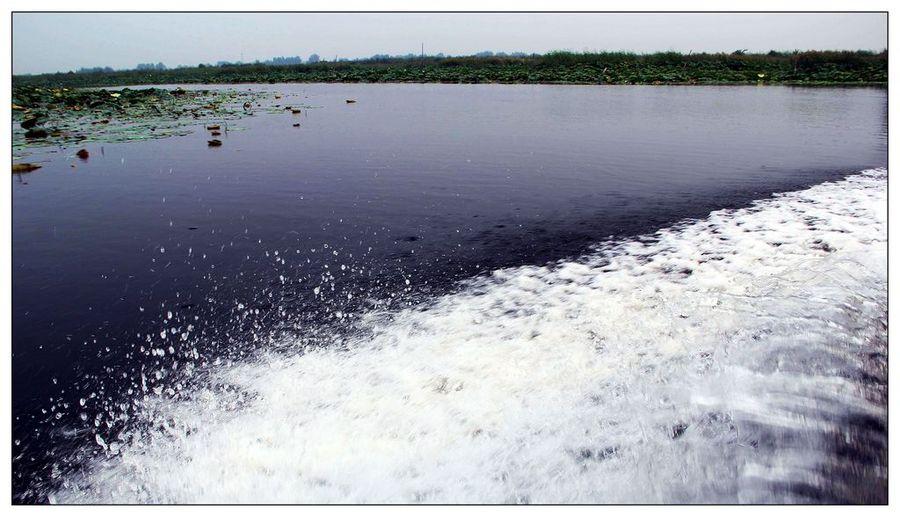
column 654, row 370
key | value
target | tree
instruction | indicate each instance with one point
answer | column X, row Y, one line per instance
column 313, row 59
column 94, row 70
column 151, row 66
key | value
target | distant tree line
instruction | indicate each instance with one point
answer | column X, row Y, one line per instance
column 297, row 60
column 94, row 70
column 275, row 61
column 151, row 66
column 737, row 66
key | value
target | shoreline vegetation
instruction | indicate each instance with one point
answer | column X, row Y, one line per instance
column 813, row 68
column 61, row 116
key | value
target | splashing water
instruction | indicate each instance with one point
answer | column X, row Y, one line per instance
column 737, row 358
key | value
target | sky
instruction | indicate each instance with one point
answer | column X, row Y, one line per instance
column 51, row 42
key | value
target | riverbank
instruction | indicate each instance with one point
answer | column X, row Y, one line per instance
column 670, row 68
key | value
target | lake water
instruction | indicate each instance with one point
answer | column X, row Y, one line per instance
column 449, row 293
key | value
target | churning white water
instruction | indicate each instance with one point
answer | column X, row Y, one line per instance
column 722, row 359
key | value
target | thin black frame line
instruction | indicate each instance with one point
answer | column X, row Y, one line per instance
column 887, row 226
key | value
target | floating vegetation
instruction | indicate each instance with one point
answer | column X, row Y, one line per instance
column 62, row 116
column 36, row 133
column 19, row 168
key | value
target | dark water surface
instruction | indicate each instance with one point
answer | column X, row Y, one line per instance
column 379, row 203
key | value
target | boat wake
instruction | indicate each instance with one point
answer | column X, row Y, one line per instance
column 736, row 358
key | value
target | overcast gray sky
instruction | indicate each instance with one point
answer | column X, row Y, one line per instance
column 62, row 42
